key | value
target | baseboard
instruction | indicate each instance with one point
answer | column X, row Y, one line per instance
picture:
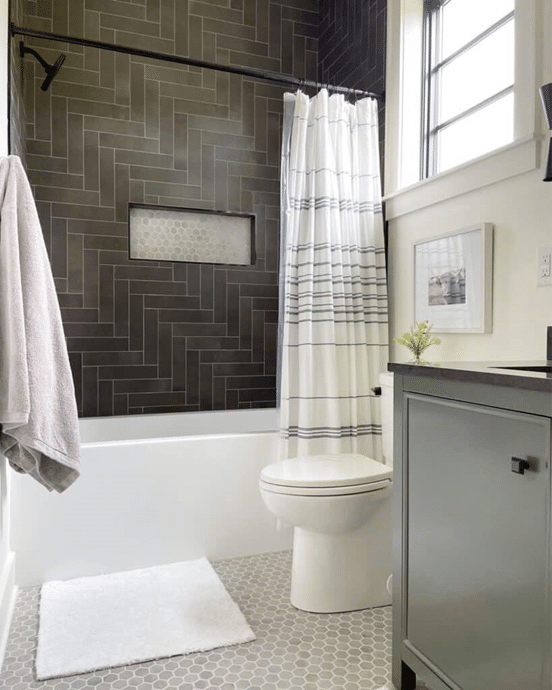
column 8, row 593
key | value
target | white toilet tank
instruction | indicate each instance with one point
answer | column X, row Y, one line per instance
column 386, row 383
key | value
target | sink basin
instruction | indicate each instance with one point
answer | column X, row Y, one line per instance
column 545, row 369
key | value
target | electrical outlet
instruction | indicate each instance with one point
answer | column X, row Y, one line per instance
column 544, row 265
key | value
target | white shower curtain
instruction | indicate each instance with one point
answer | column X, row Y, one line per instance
column 334, row 339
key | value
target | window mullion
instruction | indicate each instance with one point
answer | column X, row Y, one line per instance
column 436, row 91
column 473, row 109
column 470, row 44
column 426, row 90
column 430, row 90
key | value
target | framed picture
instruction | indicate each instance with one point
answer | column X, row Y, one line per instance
column 453, row 280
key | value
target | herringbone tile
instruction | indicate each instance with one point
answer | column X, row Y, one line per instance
column 115, row 129
column 351, row 47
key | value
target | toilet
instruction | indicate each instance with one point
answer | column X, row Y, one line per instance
column 340, row 508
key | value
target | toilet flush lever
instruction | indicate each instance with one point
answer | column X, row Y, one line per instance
column 519, row 465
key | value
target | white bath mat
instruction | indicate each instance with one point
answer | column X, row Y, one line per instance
column 113, row 620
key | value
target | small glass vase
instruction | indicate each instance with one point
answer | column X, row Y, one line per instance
column 418, row 360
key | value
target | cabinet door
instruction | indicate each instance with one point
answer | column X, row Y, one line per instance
column 477, row 545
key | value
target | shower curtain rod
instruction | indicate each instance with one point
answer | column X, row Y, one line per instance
column 257, row 74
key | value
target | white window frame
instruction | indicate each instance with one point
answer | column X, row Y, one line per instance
column 433, row 65
column 404, row 190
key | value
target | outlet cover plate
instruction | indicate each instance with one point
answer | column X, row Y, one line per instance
column 544, row 265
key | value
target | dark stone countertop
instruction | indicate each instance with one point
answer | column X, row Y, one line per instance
column 482, row 372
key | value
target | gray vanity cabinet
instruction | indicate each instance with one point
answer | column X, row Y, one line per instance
column 471, row 595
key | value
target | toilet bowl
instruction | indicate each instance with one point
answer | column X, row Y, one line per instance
column 340, row 508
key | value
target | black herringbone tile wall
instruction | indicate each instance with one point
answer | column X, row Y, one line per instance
column 352, row 47
column 352, row 43
column 114, row 129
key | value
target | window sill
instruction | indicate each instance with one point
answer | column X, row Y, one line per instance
column 515, row 159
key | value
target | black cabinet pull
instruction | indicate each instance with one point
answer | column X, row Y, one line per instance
column 519, row 465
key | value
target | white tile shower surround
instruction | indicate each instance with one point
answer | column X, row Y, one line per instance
column 294, row 650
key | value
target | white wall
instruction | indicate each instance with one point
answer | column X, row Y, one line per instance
column 7, row 560
column 6, row 556
column 521, row 210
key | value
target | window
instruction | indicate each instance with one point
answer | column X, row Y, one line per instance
column 468, row 81
column 479, row 130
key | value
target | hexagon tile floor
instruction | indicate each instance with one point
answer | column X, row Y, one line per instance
column 294, row 650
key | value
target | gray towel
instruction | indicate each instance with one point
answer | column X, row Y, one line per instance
column 38, row 413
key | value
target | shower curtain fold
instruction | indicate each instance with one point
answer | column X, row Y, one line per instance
column 334, row 340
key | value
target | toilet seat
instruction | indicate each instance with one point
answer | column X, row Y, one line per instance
column 326, row 475
column 326, row 490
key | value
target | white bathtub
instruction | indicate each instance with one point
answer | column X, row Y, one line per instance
column 153, row 489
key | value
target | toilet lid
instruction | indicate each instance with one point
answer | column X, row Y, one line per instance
column 326, row 470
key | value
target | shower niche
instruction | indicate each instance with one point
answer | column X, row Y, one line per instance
column 165, row 233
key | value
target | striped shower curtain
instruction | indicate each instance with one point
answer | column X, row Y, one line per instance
column 334, row 308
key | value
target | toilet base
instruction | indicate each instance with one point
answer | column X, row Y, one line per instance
column 333, row 573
